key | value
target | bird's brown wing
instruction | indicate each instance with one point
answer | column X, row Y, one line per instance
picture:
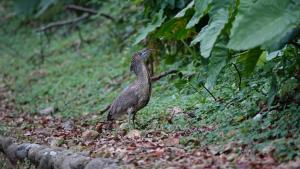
column 126, row 100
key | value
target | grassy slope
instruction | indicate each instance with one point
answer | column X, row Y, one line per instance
column 85, row 82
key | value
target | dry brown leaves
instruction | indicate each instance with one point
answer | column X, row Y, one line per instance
column 134, row 149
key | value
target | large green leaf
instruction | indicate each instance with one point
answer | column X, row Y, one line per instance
column 174, row 29
column 209, row 34
column 249, row 60
column 218, row 60
column 25, row 8
column 44, row 5
column 279, row 41
column 150, row 27
column 263, row 22
column 184, row 10
column 201, row 7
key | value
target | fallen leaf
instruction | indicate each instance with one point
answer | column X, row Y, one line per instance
column 46, row 111
column 134, row 134
column 171, row 141
column 89, row 135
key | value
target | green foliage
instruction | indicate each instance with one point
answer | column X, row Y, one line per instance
column 25, row 7
column 36, row 8
column 273, row 90
column 201, row 8
column 249, row 60
column 209, row 34
column 257, row 27
column 264, row 23
column 158, row 20
column 220, row 57
column 81, row 80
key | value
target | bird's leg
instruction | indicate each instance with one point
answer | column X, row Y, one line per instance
column 130, row 116
column 133, row 119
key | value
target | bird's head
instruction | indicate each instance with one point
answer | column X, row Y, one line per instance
column 143, row 54
column 139, row 57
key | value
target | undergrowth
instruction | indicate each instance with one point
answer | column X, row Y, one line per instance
column 82, row 81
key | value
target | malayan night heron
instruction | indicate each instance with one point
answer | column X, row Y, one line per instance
column 136, row 95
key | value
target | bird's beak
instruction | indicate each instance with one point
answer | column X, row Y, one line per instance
column 145, row 53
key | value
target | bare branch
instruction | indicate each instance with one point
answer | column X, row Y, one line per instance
column 156, row 78
column 88, row 10
column 64, row 22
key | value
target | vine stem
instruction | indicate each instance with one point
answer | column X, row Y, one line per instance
column 209, row 93
column 240, row 77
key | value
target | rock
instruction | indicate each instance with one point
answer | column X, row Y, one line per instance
column 231, row 157
column 51, row 158
column 89, row 135
column 33, row 151
column 134, row 134
column 46, row 111
column 5, row 142
column 68, row 125
column 101, row 163
column 22, row 150
column 75, row 161
column 257, row 117
column 10, row 153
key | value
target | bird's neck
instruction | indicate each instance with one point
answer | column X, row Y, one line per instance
column 142, row 74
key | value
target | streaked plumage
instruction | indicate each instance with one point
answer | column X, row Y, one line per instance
column 136, row 95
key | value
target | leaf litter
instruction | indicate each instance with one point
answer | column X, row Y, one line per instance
column 132, row 149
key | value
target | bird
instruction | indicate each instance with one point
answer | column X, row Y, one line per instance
column 137, row 95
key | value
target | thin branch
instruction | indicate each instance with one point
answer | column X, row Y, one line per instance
column 156, row 78
column 88, row 10
column 209, row 92
column 64, row 22
column 240, row 77
column 82, row 9
column 195, row 88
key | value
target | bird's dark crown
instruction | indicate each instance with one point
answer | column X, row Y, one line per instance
column 139, row 56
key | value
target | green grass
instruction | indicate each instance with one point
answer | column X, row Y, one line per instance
column 82, row 83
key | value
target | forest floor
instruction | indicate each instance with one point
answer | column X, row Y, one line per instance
column 51, row 90
column 132, row 149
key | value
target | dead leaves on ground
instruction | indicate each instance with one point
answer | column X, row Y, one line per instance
column 141, row 149
column 135, row 149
